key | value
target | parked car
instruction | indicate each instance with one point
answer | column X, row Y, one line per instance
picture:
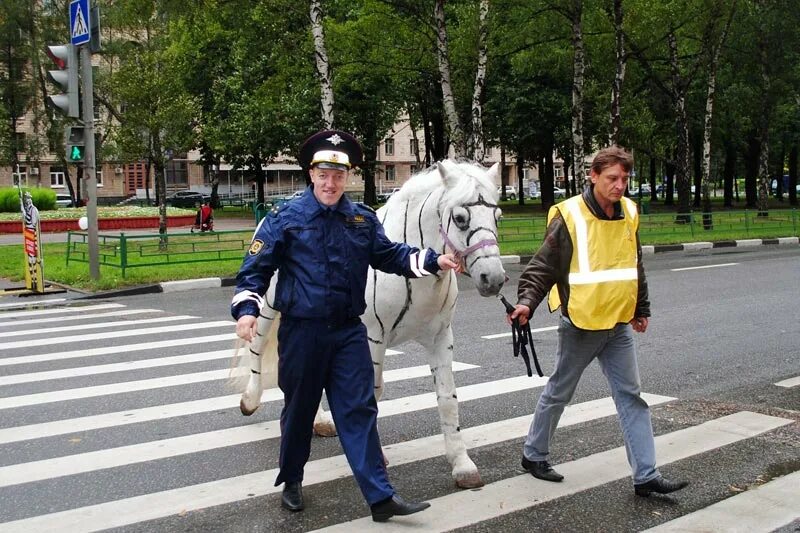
column 558, row 192
column 186, row 199
column 384, row 196
column 511, row 192
column 63, row 200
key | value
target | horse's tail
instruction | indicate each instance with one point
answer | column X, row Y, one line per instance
column 261, row 352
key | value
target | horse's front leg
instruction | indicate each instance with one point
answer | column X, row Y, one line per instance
column 251, row 397
column 465, row 473
column 323, row 423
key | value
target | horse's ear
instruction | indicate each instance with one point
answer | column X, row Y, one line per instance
column 494, row 172
column 446, row 172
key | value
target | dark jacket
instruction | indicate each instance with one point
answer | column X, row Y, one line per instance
column 322, row 255
column 550, row 265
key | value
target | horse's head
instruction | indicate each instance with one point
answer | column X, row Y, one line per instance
column 469, row 215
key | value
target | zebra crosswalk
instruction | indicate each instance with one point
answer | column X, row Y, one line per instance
column 115, row 417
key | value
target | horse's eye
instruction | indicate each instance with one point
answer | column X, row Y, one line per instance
column 460, row 219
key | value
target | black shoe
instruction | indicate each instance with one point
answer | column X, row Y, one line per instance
column 292, row 498
column 659, row 485
column 385, row 509
column 541, row 470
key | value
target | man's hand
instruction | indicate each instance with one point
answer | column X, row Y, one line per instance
column 448, row 262
column 640, row 324
column 246, row 327
column 523, row 312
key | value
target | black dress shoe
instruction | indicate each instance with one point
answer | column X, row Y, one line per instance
column 659, row 485
column 292, row 498
column 541, row 470
column 385, row 509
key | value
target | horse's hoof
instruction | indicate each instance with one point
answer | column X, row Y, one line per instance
column 325, row 430
column 246, row 411
column 470, row 480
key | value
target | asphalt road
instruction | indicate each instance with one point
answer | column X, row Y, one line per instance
column 720, row 338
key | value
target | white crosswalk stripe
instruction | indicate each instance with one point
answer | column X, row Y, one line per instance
column 124, row 433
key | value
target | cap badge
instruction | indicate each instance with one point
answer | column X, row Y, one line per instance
column 335, row 139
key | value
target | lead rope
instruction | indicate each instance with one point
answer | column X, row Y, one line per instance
column 521, row 338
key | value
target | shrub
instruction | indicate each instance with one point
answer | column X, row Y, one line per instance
column 43, row 199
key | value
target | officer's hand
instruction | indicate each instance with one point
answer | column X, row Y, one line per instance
column 523, row 312
column 448, row 262
column 640, row 324
column 246, row 327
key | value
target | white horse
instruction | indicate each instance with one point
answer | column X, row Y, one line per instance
column 448, row 206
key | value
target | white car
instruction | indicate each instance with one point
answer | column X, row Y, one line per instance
column 511, row 192
column 63, row 200
column 558, row 192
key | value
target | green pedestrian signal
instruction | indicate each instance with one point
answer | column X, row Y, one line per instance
column 76, row 154
column 75, row 143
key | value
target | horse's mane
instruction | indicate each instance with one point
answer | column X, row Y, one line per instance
column 420, row 185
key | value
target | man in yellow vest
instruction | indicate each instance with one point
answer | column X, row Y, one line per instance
column 591, row 263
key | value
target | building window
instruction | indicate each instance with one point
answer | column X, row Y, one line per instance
column 177, row 172
column 56, row 177
column 388, row 147
column 413, row 170
column 390, row 175
column 99, row 175
column 558, row 172
column 488, row 151
column 19, row 141
column 413, row 146
column 20, row 176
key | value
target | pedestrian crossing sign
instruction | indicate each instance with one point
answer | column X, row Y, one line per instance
column 79, row 21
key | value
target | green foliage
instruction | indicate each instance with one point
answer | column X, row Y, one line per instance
column 43, row 199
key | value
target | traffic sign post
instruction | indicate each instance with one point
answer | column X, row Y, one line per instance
column 79, row 22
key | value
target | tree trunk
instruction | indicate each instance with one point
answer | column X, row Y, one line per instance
column 682, row 125
column 669, row 189
column 751, row 168
column 763, row 130
column 477, row 141
column 619, row 74
column 454, row 125
column 322, row 64
column 729, row 174
column 653, row 193
column 577, row 94
column 793, row 175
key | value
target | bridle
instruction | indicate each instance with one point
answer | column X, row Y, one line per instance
column 459, row 254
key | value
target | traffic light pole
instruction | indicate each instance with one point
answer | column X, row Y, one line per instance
column 89, row 172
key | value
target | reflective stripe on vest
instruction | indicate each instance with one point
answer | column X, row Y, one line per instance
column 603, row 277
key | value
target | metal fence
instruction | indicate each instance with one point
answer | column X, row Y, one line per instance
column 673, row 228
column 133, row 251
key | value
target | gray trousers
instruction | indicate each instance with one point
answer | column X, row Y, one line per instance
column 616, row 353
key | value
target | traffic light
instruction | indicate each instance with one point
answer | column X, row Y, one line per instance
column 75, row 143
column 65, row 57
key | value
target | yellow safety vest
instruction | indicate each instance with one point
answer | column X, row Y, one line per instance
column 603, row 278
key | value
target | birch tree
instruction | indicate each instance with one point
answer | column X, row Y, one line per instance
column 453, row 123
column 619, row 72
column 322, row 64
column 711, row 87
column 477, row 141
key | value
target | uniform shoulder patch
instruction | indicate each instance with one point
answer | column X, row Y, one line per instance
column 256, row 246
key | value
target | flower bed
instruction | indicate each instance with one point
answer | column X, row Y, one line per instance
column 109, row 218
column 62, row 225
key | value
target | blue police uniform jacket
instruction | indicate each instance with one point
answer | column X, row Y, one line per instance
column 322, row 255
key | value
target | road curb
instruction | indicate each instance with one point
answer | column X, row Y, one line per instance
column 210, row 283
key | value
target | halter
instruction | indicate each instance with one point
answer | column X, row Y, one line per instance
column 462, row 254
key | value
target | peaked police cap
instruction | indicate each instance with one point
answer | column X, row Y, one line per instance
column 331, row 149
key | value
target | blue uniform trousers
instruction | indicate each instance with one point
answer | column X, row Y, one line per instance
column 316, row 354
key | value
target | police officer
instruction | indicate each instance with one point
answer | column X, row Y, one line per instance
column 321, row 244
